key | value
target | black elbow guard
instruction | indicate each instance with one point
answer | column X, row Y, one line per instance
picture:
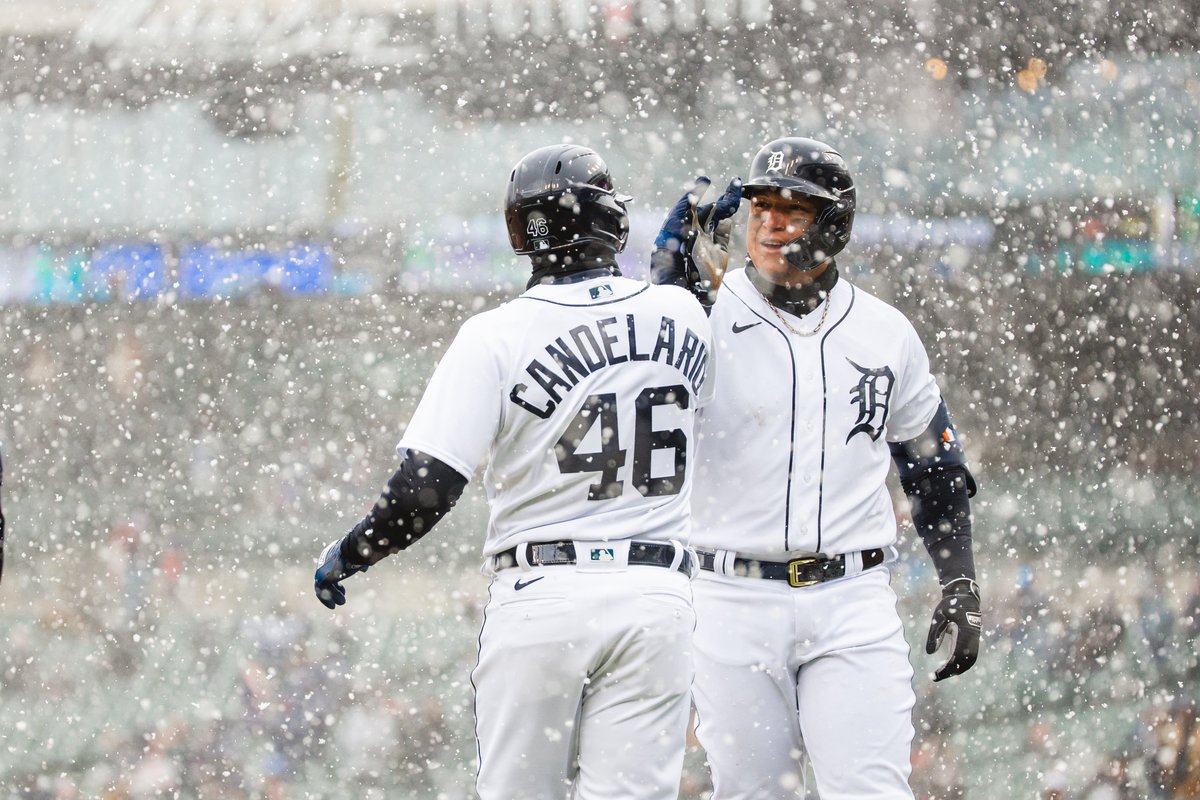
column 936, row 449
column 934, row 474
column 667, row 265
column 417, row 496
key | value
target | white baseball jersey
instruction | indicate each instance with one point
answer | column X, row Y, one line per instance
column 840, row 395
column 581, row 398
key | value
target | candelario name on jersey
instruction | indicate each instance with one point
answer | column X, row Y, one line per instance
column 585, row 349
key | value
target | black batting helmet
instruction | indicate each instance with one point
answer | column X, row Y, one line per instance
column 561, row 197
column 814, row 169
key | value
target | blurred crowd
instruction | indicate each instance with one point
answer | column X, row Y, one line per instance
column 1094, row 686
column 161, row 686
column 178, row 694
column 172, row 470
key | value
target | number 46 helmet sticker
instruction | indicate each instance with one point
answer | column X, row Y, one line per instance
column 537, row 229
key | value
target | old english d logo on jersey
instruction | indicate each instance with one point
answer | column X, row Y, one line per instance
column 873, row 393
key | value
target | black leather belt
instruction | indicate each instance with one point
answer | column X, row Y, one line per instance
column 797, row 572
column 646, row 554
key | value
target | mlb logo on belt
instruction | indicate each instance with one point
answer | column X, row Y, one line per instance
column 603, row 290
column 602, row 553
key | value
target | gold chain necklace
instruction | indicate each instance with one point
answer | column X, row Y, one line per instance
column 788, row 325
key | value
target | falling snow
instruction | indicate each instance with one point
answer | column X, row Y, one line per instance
column 236, row 237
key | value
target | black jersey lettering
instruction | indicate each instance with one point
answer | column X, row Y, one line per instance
column 696, row 376
column 567, row 361
column 592, row 355
column 666, row 342
column 634, row 355
column 687, row 351
column 587, row 348
column 609, row 340
column 542, row 413
column 547, row 379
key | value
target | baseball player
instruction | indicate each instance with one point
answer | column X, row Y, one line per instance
column 800, row 653
column 580, row 397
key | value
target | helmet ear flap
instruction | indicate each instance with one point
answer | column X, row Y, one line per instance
column 827, row 236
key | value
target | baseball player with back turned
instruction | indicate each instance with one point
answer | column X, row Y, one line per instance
column 800, row 654
column 580, row 396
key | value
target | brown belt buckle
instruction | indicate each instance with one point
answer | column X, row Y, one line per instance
column 794, row 572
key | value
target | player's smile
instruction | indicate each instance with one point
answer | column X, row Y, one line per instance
column 775, row 220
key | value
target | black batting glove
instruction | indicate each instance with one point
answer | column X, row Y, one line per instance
column 692, row 247
column 708, row 243
column 668, row 263
column 332, row 569
column 958, row 615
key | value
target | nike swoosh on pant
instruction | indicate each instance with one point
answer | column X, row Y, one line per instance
column 519, row 585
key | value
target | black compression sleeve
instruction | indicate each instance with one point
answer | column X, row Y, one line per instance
column 416, row 497
column 936, row 448
column 668, row 268
column 941, row 512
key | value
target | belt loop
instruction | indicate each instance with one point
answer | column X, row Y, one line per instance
column 523, row 556
column 677, row 556
column 723, row 562
column 854, row 564
column 677, row 559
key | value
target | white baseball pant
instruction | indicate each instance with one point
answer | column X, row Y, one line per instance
column 785, row 675
column 582, row 689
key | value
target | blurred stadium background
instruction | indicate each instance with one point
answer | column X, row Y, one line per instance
column 234, row 237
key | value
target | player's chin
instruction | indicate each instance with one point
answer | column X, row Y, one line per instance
column 771, row 262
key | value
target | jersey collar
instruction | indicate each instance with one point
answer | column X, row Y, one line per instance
column 796, row 300
column 545, row 276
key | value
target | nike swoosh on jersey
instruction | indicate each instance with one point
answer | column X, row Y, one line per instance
column 739, row 328
column 520, row 584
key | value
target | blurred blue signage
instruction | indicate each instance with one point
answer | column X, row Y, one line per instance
column 131, row 270
column 142, row 270
column 206, row 271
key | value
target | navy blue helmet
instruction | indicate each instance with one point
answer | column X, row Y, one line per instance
column 795, row 165
column 561, row 197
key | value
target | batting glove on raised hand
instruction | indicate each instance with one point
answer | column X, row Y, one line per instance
column 693, row 245
column 959, row 616
column 332, row 569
